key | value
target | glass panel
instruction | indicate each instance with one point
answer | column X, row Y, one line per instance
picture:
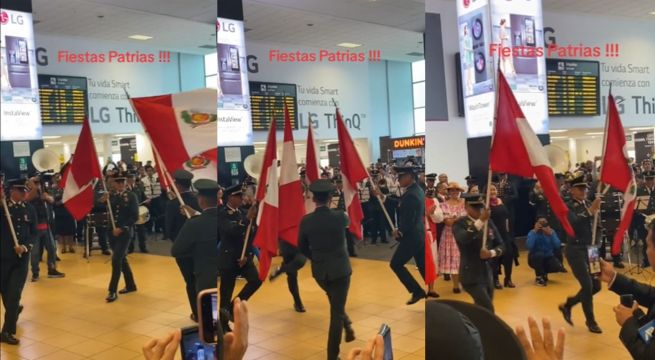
column 419, row 120
column 211, row 64
column 419, row 94
column 418, row 71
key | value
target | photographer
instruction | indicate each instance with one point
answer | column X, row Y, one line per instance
column 631, row 319
column 542, row 244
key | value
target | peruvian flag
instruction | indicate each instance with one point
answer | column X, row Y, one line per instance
column 267, row 198
column 515, row 149
column 616, row 171
column 312, row 172
column 292, row 207
column 352, row 171
column 81, row 175
column 182, row 127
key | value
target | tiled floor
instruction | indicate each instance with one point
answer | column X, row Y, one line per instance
column 68, row 318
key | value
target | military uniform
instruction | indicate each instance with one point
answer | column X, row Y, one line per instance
column 322, row 238
column 126, row 212
column 43, row 238
column 411, row 228
column 13, row 269
column 101, row 216
column 475, row 273
column 175, row 220
column 292, row 261
column 198, row 241
column 581, row 220
column 232, row 226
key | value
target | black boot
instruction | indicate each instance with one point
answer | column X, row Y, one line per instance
column 111, row 297
column 566, row 312
column 8, row 339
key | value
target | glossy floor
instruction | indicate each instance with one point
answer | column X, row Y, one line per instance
column 68, row 318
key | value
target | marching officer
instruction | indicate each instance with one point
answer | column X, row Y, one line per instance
column 139, row 230
column 475, row 270
column 15, row 259
column 197, row 241
column 232, row 226
column 645, row 206
column 410, row 232
column 322, row 238
column 175, row 220
column 126, row 212
column 581, row 217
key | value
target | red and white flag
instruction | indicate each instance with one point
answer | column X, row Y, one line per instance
column 515, row 149
column 81, row 175
column 292, row 207
column 616, row 171
column 182, row 127
column 267, row 198
column 353, row 171
column 312, row 172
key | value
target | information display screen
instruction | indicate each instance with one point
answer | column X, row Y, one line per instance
column 64, row 99
column 573, row 87
column 267, row 102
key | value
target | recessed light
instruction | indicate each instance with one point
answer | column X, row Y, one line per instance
column 349, row 45
column 310, row 24
column 594, row 133
column 652, row 12
column 558, row 131
column 140, row 37
column 558, row 137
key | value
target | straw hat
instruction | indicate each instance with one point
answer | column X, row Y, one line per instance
column 455, row 185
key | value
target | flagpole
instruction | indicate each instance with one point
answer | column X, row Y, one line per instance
column 600, row 183
column 162, row 167
column 11, row 224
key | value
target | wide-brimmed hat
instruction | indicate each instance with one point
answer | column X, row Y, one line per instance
column 455, row 185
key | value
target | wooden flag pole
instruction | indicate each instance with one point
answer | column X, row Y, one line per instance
column 11, row 224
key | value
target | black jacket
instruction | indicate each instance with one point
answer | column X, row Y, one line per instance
column 472, row 269
column 232, row 226
column 410, row 215
column 629, row 335
column 23, row 217
column 322, row 238
column 174, row 218
column 581, row 221
column 198, row 239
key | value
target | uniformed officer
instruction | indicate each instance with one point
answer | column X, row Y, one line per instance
column 197, row 241
column 322, row 238
column 475, row 271
column 126, row 212
column 581, row 217
column 139, row 230
column 15, row 259
column 175, row 220
column 645, row 206
column 232, row 226
column 410, row 233
column 430, row 180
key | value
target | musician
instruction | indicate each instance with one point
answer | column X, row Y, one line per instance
column 376, row 215
column 645, row 206
column 14, row 260
column 175, row 220
column 410, row 232
column 196, row 242
column 152, row 189
column 321, row 237
column 475, row 270
column 41, row 201
column 232, row 226
column 138, row 231
column 125, row 211
column 610, row 217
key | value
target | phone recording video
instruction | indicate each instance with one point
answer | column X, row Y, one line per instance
column 192, row 348
column 594, row 260
column 208, row 316
column 385, row 332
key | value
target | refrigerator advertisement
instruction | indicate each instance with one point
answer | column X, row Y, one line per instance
column 21, row 118
column 505, row 35
column 234, row 121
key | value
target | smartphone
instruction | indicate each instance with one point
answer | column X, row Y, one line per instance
column 385, row 332
column 208, row 316
column 627, row 300
column 594, row 260
column 194, row 349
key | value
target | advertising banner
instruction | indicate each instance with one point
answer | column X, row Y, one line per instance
column 234, row 121
column 644, row 146
column 21, row 118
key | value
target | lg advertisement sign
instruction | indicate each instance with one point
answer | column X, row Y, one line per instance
column 234, row 121
column 21, row 117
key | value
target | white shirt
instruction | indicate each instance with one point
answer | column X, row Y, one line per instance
column 151, row 186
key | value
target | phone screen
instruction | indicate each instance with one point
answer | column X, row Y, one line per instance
column 594, row 260
column 208, row 315
column 385, row 332
column 192, row 348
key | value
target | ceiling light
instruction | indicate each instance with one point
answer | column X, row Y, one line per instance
column 349, row 45
column 52, row 137
column 641, row 128
column 123, row 135
column 558, row 137
column 558, row 131
column 652, row 12
column 594, row 133
column 140, row 37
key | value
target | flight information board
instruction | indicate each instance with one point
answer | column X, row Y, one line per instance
column 64, row 99
column 573, row 87
column 267, row 102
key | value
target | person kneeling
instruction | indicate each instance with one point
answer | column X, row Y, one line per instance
column 542, row 244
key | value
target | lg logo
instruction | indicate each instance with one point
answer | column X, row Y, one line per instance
column 15, row 19
column 227, row 27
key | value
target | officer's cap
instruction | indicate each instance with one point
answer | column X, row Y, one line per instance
column 402, row 170
column 431, row 177
column 337, row 180
column 182, row 174
column 17, row 184
column 321, row 186
column 577, row 180
column 233, row 190
column 206, row 187
column 130, row 174
column 475, row 200
column 119, row 178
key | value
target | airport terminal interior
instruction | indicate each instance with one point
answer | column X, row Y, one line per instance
column 484, row 162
